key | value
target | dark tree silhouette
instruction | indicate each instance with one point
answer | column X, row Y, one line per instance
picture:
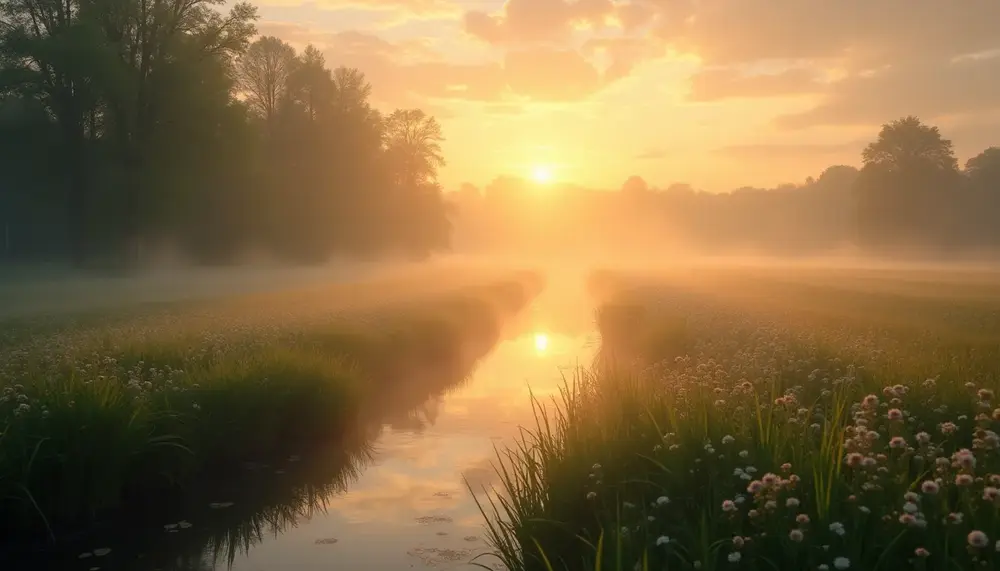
column 125, row 129
column 635, row 185
column 983, row 169
column 413, row 151
column 905, row 196
column 262, row 75
column 909, row 144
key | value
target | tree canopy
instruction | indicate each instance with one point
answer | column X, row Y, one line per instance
column 128, row 127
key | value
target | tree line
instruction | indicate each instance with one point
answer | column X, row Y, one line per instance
column 129, row 124
column 909, row 198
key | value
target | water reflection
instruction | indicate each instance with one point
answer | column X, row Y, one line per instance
column 392, row 495
column 223, row 523
column 411, row 508
column 268, row 506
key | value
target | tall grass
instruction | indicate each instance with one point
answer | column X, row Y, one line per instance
column 117, row 421
column 230, row 517
column 776, row 436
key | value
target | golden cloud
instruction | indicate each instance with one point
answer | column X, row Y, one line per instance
column 722, row 83
column 402, row 73
column 521, row 21
column 421, row 8
column 917, row 41
column 929, row 88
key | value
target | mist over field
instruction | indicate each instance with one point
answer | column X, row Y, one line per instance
column 522, row 285
column 56, row 289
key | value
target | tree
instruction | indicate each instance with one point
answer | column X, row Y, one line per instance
column 351, row 89
column 52, row 52
column 310, row 84
column 983, row 175
column 905, row 189
column 161, row 123
column 176, row 32
column 907, row 144
column 353, row 134
column 983, row 170
column 201, row 161
column 262, row 75
column 413, row 142
column 417, row 208
column 635, row 185
column 681, row 189
column 32, row 212
column 838, row 177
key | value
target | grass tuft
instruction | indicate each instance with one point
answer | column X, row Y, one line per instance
column 764, row 421
column 129, row 417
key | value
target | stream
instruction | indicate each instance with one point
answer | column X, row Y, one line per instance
column 398, row 495
column 411, row 508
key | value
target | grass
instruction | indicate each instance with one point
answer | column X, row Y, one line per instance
column 778, row 420
column 98, row 421
column 228, row 518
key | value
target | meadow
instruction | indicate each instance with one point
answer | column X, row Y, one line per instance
column 768, row 418
column 116, row 414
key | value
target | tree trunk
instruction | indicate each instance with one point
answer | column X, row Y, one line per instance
column 79, row 194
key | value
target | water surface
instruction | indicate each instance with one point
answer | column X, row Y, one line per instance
column 411, row 507
column 393, row 496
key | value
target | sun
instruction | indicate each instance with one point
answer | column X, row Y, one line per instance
column 541, row 342
column 541, row 174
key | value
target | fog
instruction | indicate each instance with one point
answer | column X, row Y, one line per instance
column 908, row 207
column 26, row 291
column 54, row 290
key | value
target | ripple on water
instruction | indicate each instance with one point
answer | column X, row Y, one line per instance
column 432, row 556
column 431, row 519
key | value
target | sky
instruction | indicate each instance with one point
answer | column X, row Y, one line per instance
column 716, row 93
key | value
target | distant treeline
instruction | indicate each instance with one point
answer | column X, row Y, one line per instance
column 126, row 125
column 909, row 198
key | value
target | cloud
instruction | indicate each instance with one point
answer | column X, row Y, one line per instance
column 634, row 15
column 409, row 72
column 851, row 65
column 738, row 43
column 724, row 33
column 419, row 8
column 723, row 83
column 929, row 88
column 623, row 53
column 550, row 74
column 555, row 23
column 521, row 21
column 892, row 56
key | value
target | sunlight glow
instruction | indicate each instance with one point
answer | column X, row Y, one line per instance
column 541, row 174
column 541, row 342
